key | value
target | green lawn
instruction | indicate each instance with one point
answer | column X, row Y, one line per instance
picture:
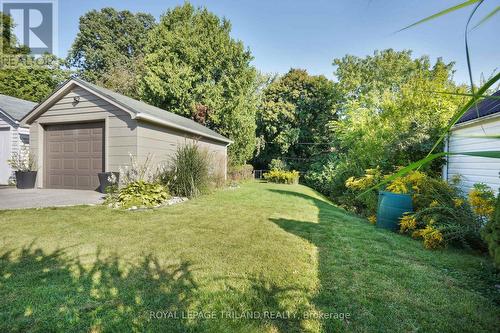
column 258, row 250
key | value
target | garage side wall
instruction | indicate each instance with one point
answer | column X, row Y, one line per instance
column 120, row 132
column 474, row 169
column 161, row 144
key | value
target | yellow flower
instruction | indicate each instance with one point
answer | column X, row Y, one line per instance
column 398, row 186
column 372, row 219
column 432, row 237
column 434, row 203
column 483, row 204
column 407, row 223
column 458, row 202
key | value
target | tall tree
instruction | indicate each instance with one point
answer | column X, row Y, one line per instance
column 194, row 68
column 391, row 111
column 22, row 75
column 292, row 120
column 110, row 46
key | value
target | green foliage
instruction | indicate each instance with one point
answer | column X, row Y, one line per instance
column 140, row 194
column 328, row 174
column 9, row 42
column 491, row 234
column 194, row 68
column 376, row 127
column 109, row 47
column 277, row 164
column 189, row 172
column 32, row 79
column 443, row 207
column 282, row 176
column 22, row 75
column 295, row 108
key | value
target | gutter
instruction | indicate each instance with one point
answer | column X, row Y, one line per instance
column 147, row 117
column 476, row 120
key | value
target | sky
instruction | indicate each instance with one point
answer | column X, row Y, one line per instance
column 310, row 34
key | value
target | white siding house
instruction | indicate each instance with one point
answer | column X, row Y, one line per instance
column 468, row 136
column 11, row 134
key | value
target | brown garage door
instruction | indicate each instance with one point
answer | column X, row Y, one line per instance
column 74, row 155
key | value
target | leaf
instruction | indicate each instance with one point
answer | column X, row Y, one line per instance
column 487, row 17
column 488, row 154
column 441, row 13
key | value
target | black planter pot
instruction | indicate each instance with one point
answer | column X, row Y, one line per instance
column 25, row 179
column 104, row 180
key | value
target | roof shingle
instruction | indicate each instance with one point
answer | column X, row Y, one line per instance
column 486, row 107
column 14, row 107
column 139, row 107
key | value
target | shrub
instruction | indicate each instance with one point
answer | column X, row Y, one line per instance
column 277, row 164
column 328, row 175
column 188, row 175
column 482, row 200
column 141, row 194
column 138, row 185
column 282, row 177
column 442, row 215
column 241, row 172
column 491, row 234
column 432, row 237
column 366, row 204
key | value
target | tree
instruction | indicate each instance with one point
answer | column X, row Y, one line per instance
column 110, row 43
column 292, row 120
column 390, row 112
column 22, row 75
column 194, row 68
column 9, row 42
column 389, row 116
column 32, row 78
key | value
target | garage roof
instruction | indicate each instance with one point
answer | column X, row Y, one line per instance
column 15, row 108
column 486, row 107
column 138, row 110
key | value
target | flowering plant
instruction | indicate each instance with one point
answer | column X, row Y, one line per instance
column 22, row 160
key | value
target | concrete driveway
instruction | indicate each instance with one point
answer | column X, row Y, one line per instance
column 12, row 198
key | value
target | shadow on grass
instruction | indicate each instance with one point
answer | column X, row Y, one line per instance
column 54, row 291
column 42, row 292
column 387, row 281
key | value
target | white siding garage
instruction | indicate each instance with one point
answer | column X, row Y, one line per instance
column 468, row 136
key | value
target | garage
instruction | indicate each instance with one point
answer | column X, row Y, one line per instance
column 74, row 155
column 83, row 129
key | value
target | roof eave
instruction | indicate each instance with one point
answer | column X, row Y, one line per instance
column 475, row 120
column 10, row 117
